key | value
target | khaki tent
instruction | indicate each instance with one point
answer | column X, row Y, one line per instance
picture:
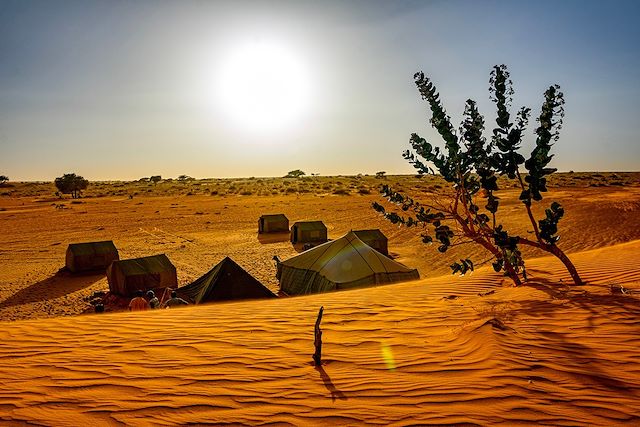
column 375, row 239
column 308, row 231
column 130, row 275
column 226, row 281
column 344, row 263
column 90, row 256
column 273, row 223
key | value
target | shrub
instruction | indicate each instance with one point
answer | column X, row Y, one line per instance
column 471, row 165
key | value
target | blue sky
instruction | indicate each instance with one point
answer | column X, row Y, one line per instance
column 125, row 89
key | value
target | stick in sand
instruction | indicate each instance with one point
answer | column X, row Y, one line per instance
column 317, row 342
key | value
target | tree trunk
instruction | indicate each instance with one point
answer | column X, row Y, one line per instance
column 567, row 263
column 558, row 253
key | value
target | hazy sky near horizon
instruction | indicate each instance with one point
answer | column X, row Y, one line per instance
column 126, row 89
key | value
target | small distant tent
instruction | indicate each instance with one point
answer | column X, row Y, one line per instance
column 90, row 256
column 345, row 263
column 130, row 275
column 375, row 239
column 274, row 223
column 224, row 282
column 308, row 232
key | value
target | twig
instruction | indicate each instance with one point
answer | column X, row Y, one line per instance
column 317, row 342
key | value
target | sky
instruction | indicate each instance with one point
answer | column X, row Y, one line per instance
column 127, row 89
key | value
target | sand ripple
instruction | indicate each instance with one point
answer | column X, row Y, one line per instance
column 547, row 354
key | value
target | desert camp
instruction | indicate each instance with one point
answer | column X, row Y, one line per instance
column 127, row 276
column 90, row 256
column 319, row 213
column 308, row 232
column 224, row 282
column 345, row 263
column 273, row 223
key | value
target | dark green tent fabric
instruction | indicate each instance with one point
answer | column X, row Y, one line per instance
column 344, row 263
column 90, row 256
column 375, row 239
column 127, row 276
column 226, row 281
column 308, row 231
column 273, row 223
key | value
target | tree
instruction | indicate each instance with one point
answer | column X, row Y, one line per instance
column 295, row 174
column 70, row 183
column 380, row 174
column 183, row 178
column 468, row 213
column 155, row 179
column 3, row 179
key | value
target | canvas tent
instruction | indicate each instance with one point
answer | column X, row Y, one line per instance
column 344, row 263
column 375, row 239
column 130, row 275
column 308, row 231
column 226, row 281
column 273, row 223
column 90, row 256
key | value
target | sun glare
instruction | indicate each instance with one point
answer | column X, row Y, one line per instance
column 263, row 87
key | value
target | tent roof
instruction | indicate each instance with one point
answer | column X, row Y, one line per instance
column 145, row 265
column 228, row 281
column 310, row 225
column 275, row 217
column 370, row 234
column 91, row 248
column 344, row 260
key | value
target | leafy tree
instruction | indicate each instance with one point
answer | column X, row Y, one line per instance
column 70, row 183
column 380, row 174
column 3, row 179
column 472, row 164
column 155, row 179
column 295, row 174
column 183, row 178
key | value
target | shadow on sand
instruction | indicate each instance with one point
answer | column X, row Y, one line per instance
column 576, row 356
column 269, row 238
column 60, row 284
column 335, row 393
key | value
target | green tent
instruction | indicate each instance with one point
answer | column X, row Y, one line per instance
column 375, row 239
column 127, row 276
column 344, row 263
column 274, row 223
column 226, row 281
column 90, row 256
column 308, row 232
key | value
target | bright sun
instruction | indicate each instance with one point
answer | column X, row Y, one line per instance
column 263, row 87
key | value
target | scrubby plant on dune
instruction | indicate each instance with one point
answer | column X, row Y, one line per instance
column 469, row 213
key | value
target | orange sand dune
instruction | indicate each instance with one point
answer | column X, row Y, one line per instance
column 427, row 352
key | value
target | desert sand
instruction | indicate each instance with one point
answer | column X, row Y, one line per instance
column 442, row 350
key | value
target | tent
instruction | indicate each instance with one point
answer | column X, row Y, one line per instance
column 344, row 263
column 273, row 223
column 130, row 275
column 375, row 239
column 308, row 231
column 226, row 281
column 90, row 256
